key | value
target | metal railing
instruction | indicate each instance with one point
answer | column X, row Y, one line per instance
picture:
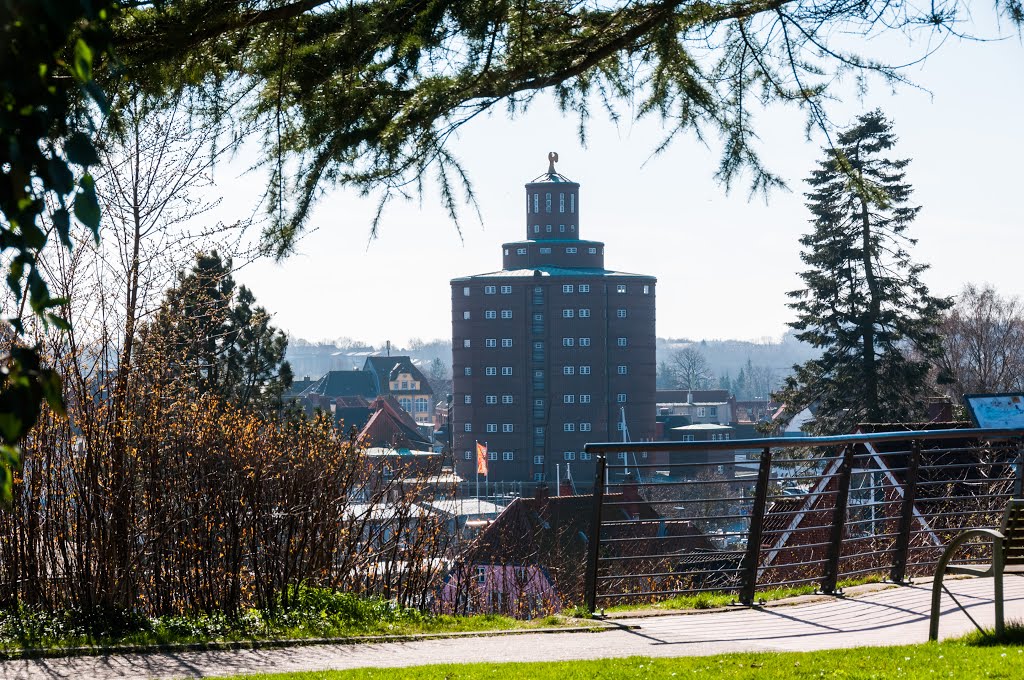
column 741, row 516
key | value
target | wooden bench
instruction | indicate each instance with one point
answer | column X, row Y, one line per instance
column 1007, row 557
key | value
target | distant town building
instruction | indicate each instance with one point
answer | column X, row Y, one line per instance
column 399, row 377
column 552, row 349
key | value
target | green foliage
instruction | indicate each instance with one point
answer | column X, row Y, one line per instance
column 48, row 51
column 367, row 94
column 225, row 342
column 864, row 303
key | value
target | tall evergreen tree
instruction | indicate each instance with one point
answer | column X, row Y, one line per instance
column 224, row 341
column 864, row 303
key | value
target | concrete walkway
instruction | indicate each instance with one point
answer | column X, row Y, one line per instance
column 889, row 617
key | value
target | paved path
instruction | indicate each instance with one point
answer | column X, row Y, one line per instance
column 895, row 616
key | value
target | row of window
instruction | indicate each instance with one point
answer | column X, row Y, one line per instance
column 571, row 398
column 490, row 399
column 547, row 202
column 418, row 405
column 567, row 288
column 621, row 369
column 537, row 460
column 571, row 427
column 566, row 455
column 490, row 314
column 585, row 313
column 548, row 229
column 491, row 455
column 585, row 342
column 490, row 290
column 506, row 427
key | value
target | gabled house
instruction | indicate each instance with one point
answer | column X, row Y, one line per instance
column 399, row 377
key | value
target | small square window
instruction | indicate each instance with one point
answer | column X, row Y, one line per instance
column 569, row 427
column 623, row 370
column 465, row 291
column 621, row 342
column 507, row 455
column 568, row 342
column 468, row 427
column 568, row 370
column 647, row 290
column 538, row 460
column 467, row 399
column 506, row 399
column 584, row 313
column 584, row 287
column 492, row 427
column 491, row 342
column 506, row 342
column 584, row 370
column 491, row 399
column 466, row 342
column 520, row 251
column 621, row 313
column 592, row 251
column 546, row 251
column 568, row 398
column 547, row 228
column 567, row 288
column 491, row 370
column 465, row 315
column 569, row 455
column 584, row 427
column 570, row 251
column 490, row 314
column 507, row 427
column 621, row 288
column 567, row 314
column 584, row 398
column 467, row 455
column 506, row 370
column 467, row 371
column 584, row 455
column 584, row 342
column 620, row 398
column 506, row 290
column 492, row 455
column 490, row 290
column 538, row 476
column 506, row 314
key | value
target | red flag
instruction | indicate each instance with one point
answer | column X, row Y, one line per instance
column 481, row 459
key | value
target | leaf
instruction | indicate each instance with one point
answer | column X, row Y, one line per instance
column 82, row 63
column 61, row 179
column 50, row 383
column 80, row 150
column 87, row 207
column 62, row 223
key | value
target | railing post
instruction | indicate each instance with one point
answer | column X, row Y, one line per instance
column 902, row 550
column 751, row 561
column 1018, row 472
column 835, row 546
column 594, row 540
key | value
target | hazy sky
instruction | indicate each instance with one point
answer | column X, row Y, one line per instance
column 723, row 262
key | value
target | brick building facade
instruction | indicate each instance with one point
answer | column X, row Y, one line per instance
column 549, row 351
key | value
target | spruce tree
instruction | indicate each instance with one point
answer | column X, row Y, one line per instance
column 864, row 304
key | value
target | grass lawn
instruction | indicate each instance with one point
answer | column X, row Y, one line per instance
column 948, row 660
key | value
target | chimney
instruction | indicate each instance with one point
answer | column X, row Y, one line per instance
column 541, row 493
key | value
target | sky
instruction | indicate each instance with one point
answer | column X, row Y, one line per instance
column 724, row 262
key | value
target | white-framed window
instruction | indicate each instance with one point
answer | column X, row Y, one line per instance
column 584, row 427
column 467, row 371
column 538, row 476
column 538, row 317
column 465, row 290
column 568, row 370
column 507, row 455
column 490, row 314
column 621, row 288
column 561, row 202
column 491, row 370
column 520, row 251
column 538, row 346
column 492, row 455
column 547, row 202
column 567, row 288
column 561, row 228
column 468, row 427
column 647, row 290
column 584, row 398
column 701, row 412
column 568, row 398
column 467, row 399
column 621, row 342
column 622, row 370
column 506, row 342
column 620, row 398
column 538, row 460
column 491, row 342
column 547, row 228
column 508, row 427
column 592, row 251
column 536, row 203
column 546, row 251
column 572, row 203
column 618, row 426
column 506, row 314
column 584, row 287
column 584, row 370
column 466, row 342
column 584, row 342
column 568, row 455
column 584, row 313
column 570, row 251
column 569, row 427
column 492, row 427
column 467, row 455
column 568, row 313
column 568, row 342
column 490, row 290
column 686, row 438
column 536, row 229
column 621, row 313
column 465, row 315
column 491, row 399
column 584, row 455
column 506, row 370
column 506, row 290
column 539, row 403
column 507, row 399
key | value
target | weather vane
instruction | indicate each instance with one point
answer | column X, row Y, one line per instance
column 552, row 159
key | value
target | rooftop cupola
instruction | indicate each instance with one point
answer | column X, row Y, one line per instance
column 552, row 205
